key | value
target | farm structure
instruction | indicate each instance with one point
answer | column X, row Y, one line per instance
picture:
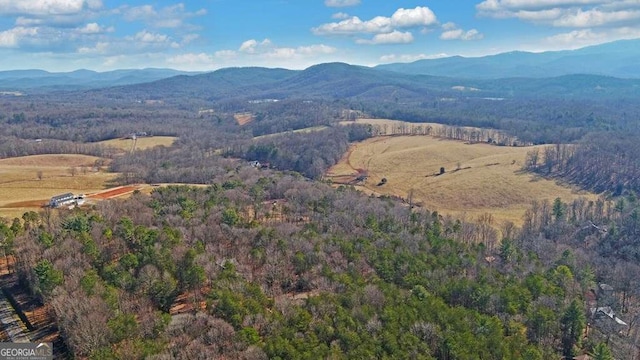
column 66, row 199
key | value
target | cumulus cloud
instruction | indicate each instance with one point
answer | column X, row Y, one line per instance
column 13, row 37
column 452, row 32
column 585, row 37
column 565, row 13
column 499, row 5
column 420, row 16
column 340, row 16
column 149, row 37
column 385, row 29
column 394, row 37
column 402, row 18
column 99, row 48
column 47, row 7
column 250, row 46
column 225, row 54
column 94, row 28
column 267, row 49
column 595, row 18
column 191, row 60
column 341, row 3
column 173, row 16
column 410, row 57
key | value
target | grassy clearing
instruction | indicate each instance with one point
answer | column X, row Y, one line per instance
column 141, row 144
column 21, row 188
column 305, row 130
column 478, row 178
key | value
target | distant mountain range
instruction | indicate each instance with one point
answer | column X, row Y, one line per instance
column 609, row 70
column 13, row 80
column 336, row 81
column 618, row 59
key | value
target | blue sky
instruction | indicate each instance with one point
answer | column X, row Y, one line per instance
column 64, row 35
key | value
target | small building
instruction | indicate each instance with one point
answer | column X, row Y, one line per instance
column 64, row 199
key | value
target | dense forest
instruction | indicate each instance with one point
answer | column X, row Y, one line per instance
column 279, row 267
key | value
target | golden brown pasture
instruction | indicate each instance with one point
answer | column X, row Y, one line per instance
column 28, row 182
column 141, row 142
column 478, row 178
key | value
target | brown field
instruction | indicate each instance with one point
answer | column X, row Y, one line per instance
column 478, row 178
column 141, row 143
column 304, row 130
column 243, row 118
column 21, row 190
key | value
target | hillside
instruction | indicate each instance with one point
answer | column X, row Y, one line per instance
column 616, row 59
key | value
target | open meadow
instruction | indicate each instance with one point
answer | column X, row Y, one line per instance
column 478, row 178
column 28, row 182
column 145, row 142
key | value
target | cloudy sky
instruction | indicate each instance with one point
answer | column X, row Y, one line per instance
column 64, row 35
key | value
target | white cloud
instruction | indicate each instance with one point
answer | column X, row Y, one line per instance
column 225, row 54
column 190, row 61
column 449, row 26
column 267, row 49
column 99, row 48
column 149, row 37
column 419, row 16
column 499, row 5
column 340, row 16
column 565, row 13
column 250, row 46
column 47, row 7
column 387, row 30
column 402, row 18
column 341, row 3
column 410, row 57
column 584, row 37
column 11, row 38
column 394, row 37
column 452, row 32
column 354, row 25
column 595, row 17
column 172, row 16
column 94, row 28
column 188, row 38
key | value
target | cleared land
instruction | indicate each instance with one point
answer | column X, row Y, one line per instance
column 304, row 130
column 478, row 178
column 243, row 118
column 27, row 182
column 141, row 142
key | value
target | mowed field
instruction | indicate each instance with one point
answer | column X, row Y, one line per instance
column 21, row 189
column 141, row 143
column 478, row 178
